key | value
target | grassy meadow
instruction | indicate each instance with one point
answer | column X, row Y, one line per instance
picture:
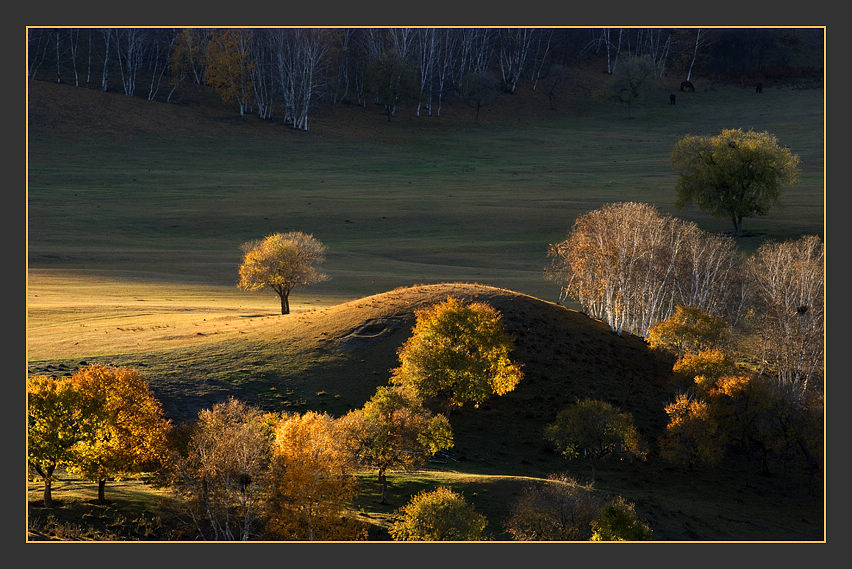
column 137, row 210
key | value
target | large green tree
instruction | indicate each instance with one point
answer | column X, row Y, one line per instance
column 594, row 430
column 459, row 353
column 734, row 174
column 393, row 431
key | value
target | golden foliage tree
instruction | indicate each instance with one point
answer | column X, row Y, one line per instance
column 595, row 430
column 734, row 174
column 124, row 430
column 439, row 515
column 560, row 509
column 692, row 436
column 313, row 480
column 393, row 431
column 222, row 474
column 688, row 330
column 229, row 66
column 458, row 353
column 53, row 426
column 282, row 262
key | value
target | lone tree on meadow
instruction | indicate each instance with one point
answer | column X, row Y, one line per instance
column 734, row 174
column 458, row 353
column 282, row 261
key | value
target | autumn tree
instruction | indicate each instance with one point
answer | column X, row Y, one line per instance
column 559, row 509
column 628, row 265
column 282, row 262
column 393, row 431
column 229, row 66
column 786, row 281
column 439, row 515
column 53, row 426
column 222, row 474
column 458, row 352
column 619, row 522
column 734, row 174
column 313, row 479
column 688, row 330
column 124, row 430
column 692, row 436
column 594, row 430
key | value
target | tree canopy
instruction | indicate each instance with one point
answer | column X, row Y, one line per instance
column 439, row 515
column 393, row 431
column 123, row 426
column 53, row 426
column 459, row 353
column 282, row 262
column 734, row 174
column 594, row 430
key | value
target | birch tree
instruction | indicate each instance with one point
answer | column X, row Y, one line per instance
column 630, row 266
column 515, row 45
column 223, row 475
column 229, row 66
column 786, row 281
column 130, row 44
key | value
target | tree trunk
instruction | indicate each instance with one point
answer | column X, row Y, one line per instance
column 48, row 496
column 383, row 480
column 285, row 303
column 101, row 486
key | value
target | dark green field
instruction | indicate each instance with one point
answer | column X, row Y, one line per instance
column 152, row 201
column 154, row 190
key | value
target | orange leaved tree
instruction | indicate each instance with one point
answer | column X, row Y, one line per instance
column 312, row 480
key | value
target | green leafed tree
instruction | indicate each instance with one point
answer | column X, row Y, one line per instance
column 440, row 515
column 594, row 430
column 282, row 261
column 735, row 174
column 53, row 414
column 630, row 80
column 458, row 353
column 393, row 431
column 619, row 522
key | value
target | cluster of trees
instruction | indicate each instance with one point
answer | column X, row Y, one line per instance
column 280, row 73
column 102, row 423
column 631, row 267
column 244, row 474
column 726, row 408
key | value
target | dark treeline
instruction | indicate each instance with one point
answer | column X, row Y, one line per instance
column 279, row 73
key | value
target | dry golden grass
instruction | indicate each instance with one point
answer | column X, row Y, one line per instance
column 77, row 314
